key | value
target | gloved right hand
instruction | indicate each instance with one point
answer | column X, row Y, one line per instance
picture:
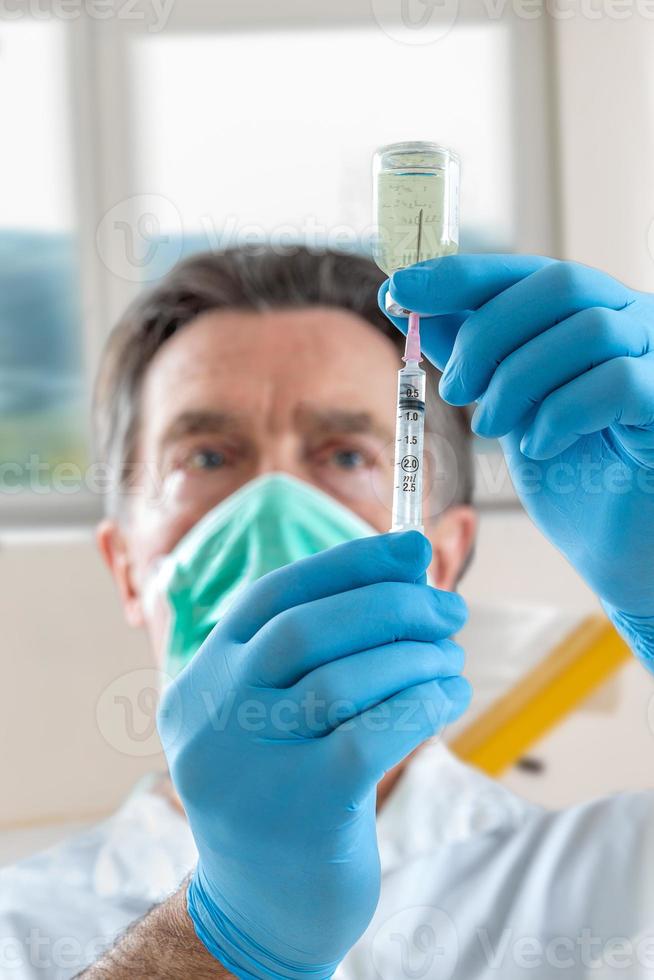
column 323, row 676
column 559, row 358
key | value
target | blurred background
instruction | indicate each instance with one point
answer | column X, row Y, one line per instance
column 137, row 132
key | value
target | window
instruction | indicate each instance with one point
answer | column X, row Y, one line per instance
column 41, row 374
column 286, row 151
column 146, row 144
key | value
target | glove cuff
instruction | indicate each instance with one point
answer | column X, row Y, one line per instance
column 638, row 631
column 239, row 954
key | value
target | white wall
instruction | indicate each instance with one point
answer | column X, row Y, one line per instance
column 605, row 98
column 63, row 643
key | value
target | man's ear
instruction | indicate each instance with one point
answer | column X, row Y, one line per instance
column 452, row 538
column 113, row 547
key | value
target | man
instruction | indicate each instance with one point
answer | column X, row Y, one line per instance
column 288, row 728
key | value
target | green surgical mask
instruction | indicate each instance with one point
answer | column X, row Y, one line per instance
column 267, row 523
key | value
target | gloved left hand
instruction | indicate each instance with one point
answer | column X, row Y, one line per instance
column 321, row 676
column 560, row 360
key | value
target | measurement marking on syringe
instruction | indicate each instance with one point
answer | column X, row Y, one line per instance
column 410, row 415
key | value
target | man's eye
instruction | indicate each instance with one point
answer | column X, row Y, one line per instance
column 349, row 459
column 206, row 460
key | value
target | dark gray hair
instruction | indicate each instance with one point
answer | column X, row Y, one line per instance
column 248, row 279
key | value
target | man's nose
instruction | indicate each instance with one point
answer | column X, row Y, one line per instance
column 284, row 455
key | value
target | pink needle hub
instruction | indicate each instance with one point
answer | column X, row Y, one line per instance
column 412, row 348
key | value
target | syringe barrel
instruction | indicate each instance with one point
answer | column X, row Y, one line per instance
column 409, row 445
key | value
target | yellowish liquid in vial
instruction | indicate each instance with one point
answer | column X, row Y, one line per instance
column 413, row 219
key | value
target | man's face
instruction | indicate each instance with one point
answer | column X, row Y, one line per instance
column 236, row 394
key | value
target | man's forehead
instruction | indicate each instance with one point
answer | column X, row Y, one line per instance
column 218, row 336
column 218, row 366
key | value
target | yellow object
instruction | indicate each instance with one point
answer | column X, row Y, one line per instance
column 586, row 658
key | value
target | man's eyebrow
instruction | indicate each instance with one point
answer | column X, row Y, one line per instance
column 192, row 423
column 338, row 420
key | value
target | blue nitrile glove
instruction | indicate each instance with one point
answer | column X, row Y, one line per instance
column 321, row 677
column 560, row 359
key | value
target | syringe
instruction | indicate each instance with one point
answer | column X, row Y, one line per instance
column 409, row 435
column 416, row 209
